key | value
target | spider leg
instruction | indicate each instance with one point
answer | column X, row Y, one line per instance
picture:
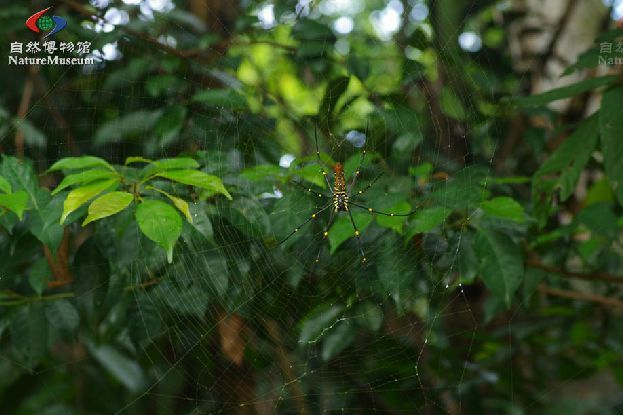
column 369, row 209
column 365, row 189
column 310, row 190
column 322, row 170
column 312, row 217
column 358, row 171
column 363, row 255
column 325, row 231
column 325, row 235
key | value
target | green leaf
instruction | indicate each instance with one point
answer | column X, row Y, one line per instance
column 504, row 207
column 369, row 315
column 108, row 205
column 32, row 135
column 312, row 173
column 15, row 202
column 21, row 175
column 611, row 127
column 83, row 178
column 131, row 125
column 500, row 263
column 43, row 221
column 342, row 229
column 5, row 186
column 426, row 220
column 319, row 321
column 565, row 91
column 451, row 105
column 335, row 89
column 571, row 157
column 125, row 370
column 81, row 195
column 170, row 164
column 179, row 203
column 338, row 339
column 198, row 179
column 62, row 315
column 160, row 223
column 137, row 159
column 169, row 124
column 396, row 223
column 39, row 274
column 223, row 98
column 72, row 163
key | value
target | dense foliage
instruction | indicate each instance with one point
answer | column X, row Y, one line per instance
column 143, row 200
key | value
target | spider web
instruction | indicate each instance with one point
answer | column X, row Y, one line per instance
column 233, row 307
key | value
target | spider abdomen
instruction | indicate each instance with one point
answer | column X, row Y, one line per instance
column 340, row 201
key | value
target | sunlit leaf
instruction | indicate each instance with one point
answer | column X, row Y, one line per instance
column 197, row 178
column 81, row 195
column 108, row 205
column 83, row 178
column 15, row 202
column 71, row 163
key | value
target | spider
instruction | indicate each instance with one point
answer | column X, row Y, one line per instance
column 341, row 199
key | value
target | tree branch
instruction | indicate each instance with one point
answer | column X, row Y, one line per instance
column 593, row 276
column 576, row 295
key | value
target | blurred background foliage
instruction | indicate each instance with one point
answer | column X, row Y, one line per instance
column 497, row 121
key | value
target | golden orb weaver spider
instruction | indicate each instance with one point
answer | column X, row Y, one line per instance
column 340, row 199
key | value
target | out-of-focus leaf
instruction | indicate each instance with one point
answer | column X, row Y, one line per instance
column 397, row 222
column 451, row 105
column 500, row 263
column 39, row 274
column 611, row 128
column 565, row 91
column 62, row 315
column 125, row 370
column 505, row 208
column 130, row 125
column 342, row 229
column 319, row 321
column 426, row 220
column 32, row 135
column 108, row 205
column 169, row 125
column 338, row 339
column 81, row 195
column 571, row 157
column 223, row 98
column 160, row 223
column 369, row 315
column 334, row 91
column 198, row 179
column 599, row 218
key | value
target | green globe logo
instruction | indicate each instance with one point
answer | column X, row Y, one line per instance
column 39, row 22
column 45, row 23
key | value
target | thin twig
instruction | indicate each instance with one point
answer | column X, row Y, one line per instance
column 24, row 105
column 576, row 295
